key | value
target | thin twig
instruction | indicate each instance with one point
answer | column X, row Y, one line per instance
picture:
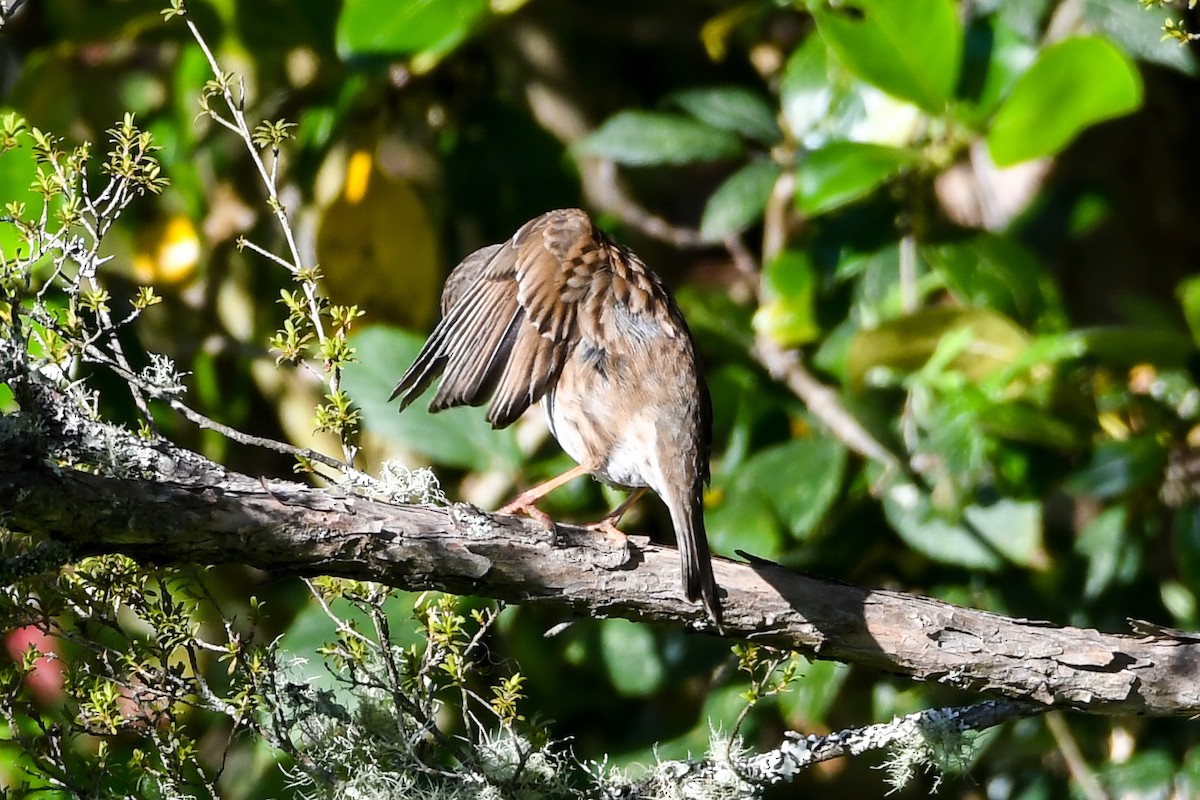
column 1083, row 775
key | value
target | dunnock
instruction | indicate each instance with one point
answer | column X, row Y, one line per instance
column 561, row 314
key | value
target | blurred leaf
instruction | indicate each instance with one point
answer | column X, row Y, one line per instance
column 1185, row 540
column 1021, row 422
column 805, row 93
column 1188, row 293
column 813, row 693
column 731, row 108
column 1119, row 466
column 739, row 517
column 631, row 657
column 799, row 480
column 1150, row 773
column 842, row 172
column 905, row 344
column 459, row 437
column 17, row 172
column 992, row 271
column 1073, row 84
column 1102, row 543
column 388, row 28
column 1138, row 29
column 788, row 313
column 739, row 202
column 909, row 48
column 740, row 406
column 378, row 249
column 643, row 138
column 1126, row 346
column 1011, row 529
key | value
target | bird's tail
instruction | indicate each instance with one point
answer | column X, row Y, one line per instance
column 696, row 560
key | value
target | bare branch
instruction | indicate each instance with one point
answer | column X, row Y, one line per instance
column 173, row 506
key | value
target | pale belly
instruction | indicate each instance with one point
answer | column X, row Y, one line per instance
column 623, row 446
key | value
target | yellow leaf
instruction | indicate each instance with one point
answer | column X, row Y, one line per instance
column 377, row 247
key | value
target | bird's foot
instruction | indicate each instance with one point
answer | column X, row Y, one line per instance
column 607, row 528
column 524, row 505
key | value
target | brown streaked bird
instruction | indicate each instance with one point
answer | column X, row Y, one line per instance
column 561, row 314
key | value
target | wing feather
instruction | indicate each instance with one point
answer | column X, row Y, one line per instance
column 509, row 315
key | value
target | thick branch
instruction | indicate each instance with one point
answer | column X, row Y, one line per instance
column 182, row 508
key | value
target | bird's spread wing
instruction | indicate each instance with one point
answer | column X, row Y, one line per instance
column 509, row 319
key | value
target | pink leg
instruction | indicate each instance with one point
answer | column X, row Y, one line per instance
column 608, row 525
column 524, row 502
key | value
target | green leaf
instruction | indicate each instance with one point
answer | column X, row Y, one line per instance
column 1188, row 292
column 731, row 108
column 992, row 271
column 904, row 345
column 631, row 657
column 643, row 138
column 388, row 28
column 843, row 172
column 805, row 92
column 1006, row 529
column 799, row 480
column 1073, row 84
column 908, row 48
column 813, row 693
column 737, row 517
column 1150, row 773
column 1119, row 466
column 1185, row 540
column 788, row 314
column 459, row 437
column 1126, row 346
column 739, row 202
column 1103, row 543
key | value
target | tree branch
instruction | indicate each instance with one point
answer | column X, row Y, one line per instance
column 160, row 504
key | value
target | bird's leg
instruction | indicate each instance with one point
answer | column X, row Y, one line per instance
column 524, row 503
column 608, row 525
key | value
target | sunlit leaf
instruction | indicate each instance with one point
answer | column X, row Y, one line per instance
column 788, row 313
column 799, row 479
column 388, row 28
column 1103, row 543
column 843, row 172
column 908, row 48
column 1073, row 84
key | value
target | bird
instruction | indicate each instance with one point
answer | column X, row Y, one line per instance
column 562, row 315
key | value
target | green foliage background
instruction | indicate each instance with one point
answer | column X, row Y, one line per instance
column 1025, row 340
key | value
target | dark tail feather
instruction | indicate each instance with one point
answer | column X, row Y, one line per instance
column 698, row 579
